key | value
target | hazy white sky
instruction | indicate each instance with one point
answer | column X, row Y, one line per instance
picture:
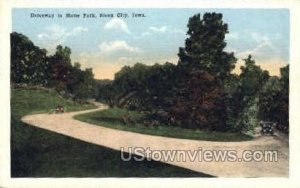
column 107, row 44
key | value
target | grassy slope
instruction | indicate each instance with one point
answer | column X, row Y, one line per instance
column 40, row 153
column 112, row 118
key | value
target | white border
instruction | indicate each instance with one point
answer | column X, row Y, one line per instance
column 5, row 29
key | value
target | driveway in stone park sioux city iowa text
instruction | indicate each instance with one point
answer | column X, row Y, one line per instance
column 116, row 139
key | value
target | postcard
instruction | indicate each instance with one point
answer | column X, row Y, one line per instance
column 116, row 94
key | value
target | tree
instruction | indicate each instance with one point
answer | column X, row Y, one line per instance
column 60, row 68
column 160, row 86
column 248, row 119
column 31, row 65
column 84, row 88
column 204, row 48
column 28, row 62
column 283, row 119
column 131, row 78
column 199, row 103
column 274, row 100
column 243, row 111
column 269, row 100
column 204, row 63
column 252, row 77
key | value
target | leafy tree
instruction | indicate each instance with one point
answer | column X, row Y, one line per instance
column 84, row 87
column 160, row 86
column 252, row 77
column 131, row 78
column 28, row 62
column 243, row 110
column 248, row 118
column 125, row 84
column 204, row 48
column 106, row 94
column 204, row 54
column 283, row 119
column 199, row 103
column 274, row 100
column 269, row 99
column 284, row 80
column 60, row 68
column 232, row 99
column 31, row 65
column 146, row 88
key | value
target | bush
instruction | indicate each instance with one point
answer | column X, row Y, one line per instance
column 249, row 117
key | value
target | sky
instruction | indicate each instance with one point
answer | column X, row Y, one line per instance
column 108, row 43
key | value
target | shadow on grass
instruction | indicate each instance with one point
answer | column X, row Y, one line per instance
column 48, row 154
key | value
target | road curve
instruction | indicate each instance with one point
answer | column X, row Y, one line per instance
column 117, row 139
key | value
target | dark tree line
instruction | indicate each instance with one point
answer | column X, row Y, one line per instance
column 31, row 65
column 201, row 91
column 274, row 100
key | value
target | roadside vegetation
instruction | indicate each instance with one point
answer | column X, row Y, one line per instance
column 31, row 65
column 200, row 91
column 135, row 121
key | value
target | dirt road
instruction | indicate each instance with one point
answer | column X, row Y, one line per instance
column 117, row 139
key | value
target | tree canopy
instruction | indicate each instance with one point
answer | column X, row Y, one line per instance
column 31, row 65
column 200, row 92
column 204, row 48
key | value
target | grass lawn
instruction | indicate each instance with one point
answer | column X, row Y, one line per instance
column 112, row 118
column 40, row 153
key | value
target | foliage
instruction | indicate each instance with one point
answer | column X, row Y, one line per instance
column 143, row 87
column 204, row 54
column 100, row 88
column 248, row 118
column 269, row 99
column 112, row 118
column 199, row 104
column 204, row 48
column 201, row 91
column 243, row 96
column 274, row 100
column 28, row 62
column 252, row 77
column 81, row 83
column 60, row 68
column 31, row 65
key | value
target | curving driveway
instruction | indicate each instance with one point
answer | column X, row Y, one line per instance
column 117, row 139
